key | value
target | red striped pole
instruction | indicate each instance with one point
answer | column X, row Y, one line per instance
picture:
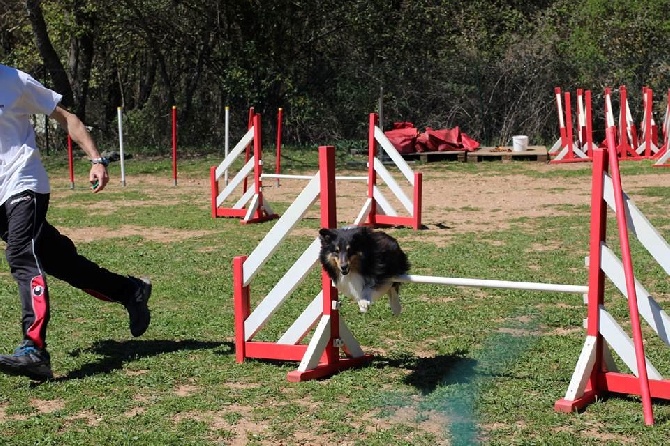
column 589, row 124
column 329, row 220
column 372, row 174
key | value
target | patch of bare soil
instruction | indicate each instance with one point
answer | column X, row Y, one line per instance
column 457, row 202
column 47, row 406
column 465, row 202
column 160, row 235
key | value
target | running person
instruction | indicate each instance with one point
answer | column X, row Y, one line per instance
column 34, row 248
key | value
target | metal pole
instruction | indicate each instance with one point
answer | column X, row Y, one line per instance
column 119, row 118
column 174, row 144
column 225, row 144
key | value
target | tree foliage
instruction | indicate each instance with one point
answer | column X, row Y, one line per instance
column 488, row 67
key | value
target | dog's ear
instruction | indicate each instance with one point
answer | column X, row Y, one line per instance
column 326, row 235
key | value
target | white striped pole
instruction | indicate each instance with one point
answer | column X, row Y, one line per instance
column 227, row 115
column 121, row 157
column 288, row 176
column 483, row 283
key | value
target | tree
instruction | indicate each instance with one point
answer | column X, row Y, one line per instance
column 48, row 53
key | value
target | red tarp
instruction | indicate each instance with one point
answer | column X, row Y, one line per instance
column 403, row 139
column 407, row 139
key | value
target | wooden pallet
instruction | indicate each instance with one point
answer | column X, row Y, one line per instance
column 533, row 153
column 427, row 157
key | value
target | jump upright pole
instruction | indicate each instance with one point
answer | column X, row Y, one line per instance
column 630, row 280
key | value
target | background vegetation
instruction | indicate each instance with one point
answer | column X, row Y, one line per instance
column 487, row 66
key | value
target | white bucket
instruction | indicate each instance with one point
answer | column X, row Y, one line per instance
column 519, row 143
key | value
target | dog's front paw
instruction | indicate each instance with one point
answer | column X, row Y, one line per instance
column 363, row 306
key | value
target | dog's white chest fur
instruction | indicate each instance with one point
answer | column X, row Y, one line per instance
column 353, row 285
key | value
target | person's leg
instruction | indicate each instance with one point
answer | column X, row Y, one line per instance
column 34, row 248
column 25, row 215
column 21, row 226
column 60, row 259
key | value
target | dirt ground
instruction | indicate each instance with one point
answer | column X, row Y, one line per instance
column 460, row 201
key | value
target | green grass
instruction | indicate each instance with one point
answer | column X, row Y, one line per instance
column 460, row 366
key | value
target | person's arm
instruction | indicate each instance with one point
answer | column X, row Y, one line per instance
column 77, row 131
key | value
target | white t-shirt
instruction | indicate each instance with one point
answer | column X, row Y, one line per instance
column 21, row 167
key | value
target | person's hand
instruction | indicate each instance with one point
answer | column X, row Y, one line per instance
column 98, row 177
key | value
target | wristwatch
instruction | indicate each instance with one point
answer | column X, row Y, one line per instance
column 102, row 160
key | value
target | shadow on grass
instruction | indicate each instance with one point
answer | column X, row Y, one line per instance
column 116, row 353
column 427, row 374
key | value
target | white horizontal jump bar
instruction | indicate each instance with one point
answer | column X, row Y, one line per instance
column 307, row 177
column 482, row 283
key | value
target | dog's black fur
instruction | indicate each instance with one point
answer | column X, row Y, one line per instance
column 361, row 263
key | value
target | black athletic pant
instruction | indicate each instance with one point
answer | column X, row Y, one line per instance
column 35, row 248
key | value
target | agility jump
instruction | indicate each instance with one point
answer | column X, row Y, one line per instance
column 630, row 146
column 564, row 150
column 251, row 207
column 376, row 211
column 321, row 357
column 595, row 373
column 648, row 147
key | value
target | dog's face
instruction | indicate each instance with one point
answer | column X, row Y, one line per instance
column 343, row 248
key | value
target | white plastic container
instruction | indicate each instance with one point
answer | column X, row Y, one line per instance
column 519, row 143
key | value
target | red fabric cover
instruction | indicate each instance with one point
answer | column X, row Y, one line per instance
column 444, row 139
column 469, row 144
column 422, row 142
column 407, row 139
column 403, row 139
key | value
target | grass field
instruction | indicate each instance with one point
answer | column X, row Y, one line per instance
column 460, row 366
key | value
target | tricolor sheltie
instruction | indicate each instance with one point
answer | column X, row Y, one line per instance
column 361, row 263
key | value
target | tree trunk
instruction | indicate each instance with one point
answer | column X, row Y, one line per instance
column 81, row 58
column 48, row 53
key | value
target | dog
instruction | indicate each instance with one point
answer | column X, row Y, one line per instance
column 361, row 263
